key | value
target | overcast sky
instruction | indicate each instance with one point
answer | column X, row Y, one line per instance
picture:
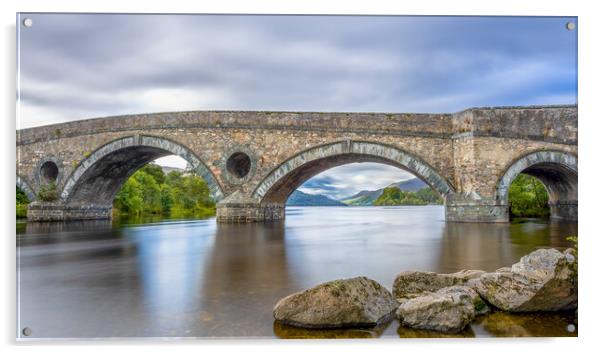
column 81, row 66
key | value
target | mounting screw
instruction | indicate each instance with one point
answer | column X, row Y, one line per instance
column 28, row 22
column 26, row 331
column 570, row 26
column 571, row 328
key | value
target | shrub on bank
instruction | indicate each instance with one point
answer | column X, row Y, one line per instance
column 177, row 194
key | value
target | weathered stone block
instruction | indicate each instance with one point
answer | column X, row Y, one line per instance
column 43, row 211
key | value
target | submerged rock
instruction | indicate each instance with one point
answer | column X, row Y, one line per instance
column 544, row 280
column 410, row 284
column 447, row 310
column 355, row 302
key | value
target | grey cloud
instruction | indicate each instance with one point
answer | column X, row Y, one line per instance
column 346, row 180
column 105, row 64
column 80, row 66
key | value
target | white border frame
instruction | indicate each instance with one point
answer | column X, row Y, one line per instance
column 590, row 117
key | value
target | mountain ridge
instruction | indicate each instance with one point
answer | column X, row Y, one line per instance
column 299, row 198
column 367, row 197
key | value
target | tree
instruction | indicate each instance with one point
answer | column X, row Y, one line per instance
column 390, row 196
column 527, row 197
column 429, row 195
column 395, row 196
column 150, row 191
column 129, row 198
column 22, row 201
column 155, row 171
column 21, row 197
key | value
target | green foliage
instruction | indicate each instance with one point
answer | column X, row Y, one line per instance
column 574, row 240
column 395, row 196
column 429, row 195
column 150, row 191
column 155, row 171
column 527, row 197
column 22, row 197
column 21, row 211
column 22, row 202
column 48, row 192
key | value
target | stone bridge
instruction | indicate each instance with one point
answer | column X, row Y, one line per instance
column 252, row 161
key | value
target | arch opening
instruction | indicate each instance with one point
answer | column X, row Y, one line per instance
column 364, row 184
column 164, row 188
column 557, row 171
column 99, row 177
column 282, row 181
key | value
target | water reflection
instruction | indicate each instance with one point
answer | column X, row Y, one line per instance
column 501, row 324
column 405, row 332
column 196, row 278
column 494, row 245
column 170, row 264
column 289, row 332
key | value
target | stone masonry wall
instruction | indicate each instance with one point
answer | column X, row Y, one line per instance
column 470, row 149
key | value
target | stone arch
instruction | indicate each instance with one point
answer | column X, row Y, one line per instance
column 557, row 170
column 98, row 178
column 288, row 176
column 22, row 183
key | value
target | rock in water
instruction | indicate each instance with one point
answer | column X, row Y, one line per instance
column 355, row 302
column 544, row 280
column 447, row 310
column 480, row 306
column 410, row 284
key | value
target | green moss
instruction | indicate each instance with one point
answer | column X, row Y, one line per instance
column 21, row 211
column 480, row 305
column 574, row 240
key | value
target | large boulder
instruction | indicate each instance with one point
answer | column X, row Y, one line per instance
column 409, row 284
column 447, row 310
column 544, row 280
column 355, row 302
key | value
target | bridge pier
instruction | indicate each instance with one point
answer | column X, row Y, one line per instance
column 473, row 208
column 56, row 211
column 237, row 208
column 564, row 210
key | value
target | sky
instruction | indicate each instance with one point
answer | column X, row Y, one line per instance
column 81, row 66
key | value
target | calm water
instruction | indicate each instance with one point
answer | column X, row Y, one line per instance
column 199, row 278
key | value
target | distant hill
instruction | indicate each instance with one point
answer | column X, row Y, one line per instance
column 299, row 198
column 368, row 197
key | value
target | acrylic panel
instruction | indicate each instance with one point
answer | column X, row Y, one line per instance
column 289, row 176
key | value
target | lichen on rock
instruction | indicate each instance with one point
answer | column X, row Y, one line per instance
column 447, row 310
column 544, row 280
column 343, row 303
